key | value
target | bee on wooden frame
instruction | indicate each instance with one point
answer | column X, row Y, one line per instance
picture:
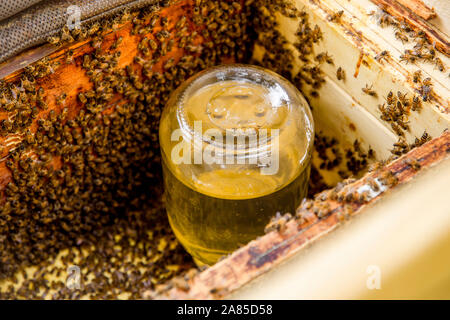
column 340, row 74
column 382, row 55
column 336, row 17
column 368, row 90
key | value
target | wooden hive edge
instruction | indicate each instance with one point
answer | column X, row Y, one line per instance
column 268, row 251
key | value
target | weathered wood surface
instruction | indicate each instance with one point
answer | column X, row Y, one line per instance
column 419, row 8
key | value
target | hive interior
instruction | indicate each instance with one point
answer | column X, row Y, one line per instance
column 101, row 207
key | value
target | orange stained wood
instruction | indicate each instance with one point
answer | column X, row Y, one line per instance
column 71, row 78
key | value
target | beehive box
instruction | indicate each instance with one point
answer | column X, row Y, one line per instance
column 95, row 122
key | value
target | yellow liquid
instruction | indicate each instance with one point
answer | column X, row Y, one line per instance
column 210, row 227
column 214, row 208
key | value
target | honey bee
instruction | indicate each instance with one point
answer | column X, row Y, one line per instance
column 324, row 57
column 93, row 28
column 425, row 137
column 116, row 43
column 388, row 178
column 403, row 124
column 316, row 34
column 373, row 185
column 413, row 163
column 382, row 55
column 61, row 99
column 426, row 82
column 314, row 94
column 416, row 104
column 364, row 197
column 336, row 17
column 164, row 21
column 399, row 35
column 386, row 19
column 181, row 23
column 417, row 76
column 54, row 40
column 408, row 56
column 69, row 57
column 152, row 44
column 426, row 89
column 402, row 97
column 340, row 74
column 278, row 223
column 439, row 64
column 397, row 129
column 82, row 98
column 390, row 99
column 368, row 90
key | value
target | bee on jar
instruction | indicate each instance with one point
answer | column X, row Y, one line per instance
column 388, row 178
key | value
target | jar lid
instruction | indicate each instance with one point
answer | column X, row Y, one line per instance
column 239, row 118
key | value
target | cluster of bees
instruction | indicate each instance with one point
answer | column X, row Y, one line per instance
column 91, row 183
column 422, row 50
column 100, row 201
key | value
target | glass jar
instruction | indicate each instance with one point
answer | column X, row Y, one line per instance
column 236, row 144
